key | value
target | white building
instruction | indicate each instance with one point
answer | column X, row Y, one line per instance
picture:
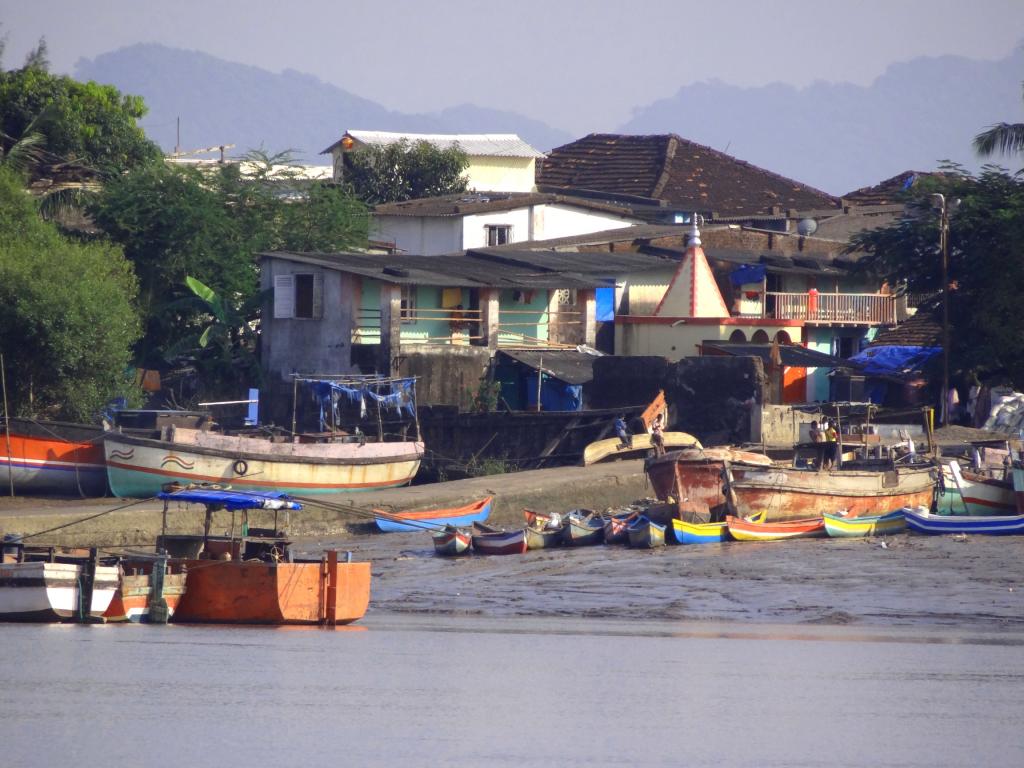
column 436, row 225
column 500, row 161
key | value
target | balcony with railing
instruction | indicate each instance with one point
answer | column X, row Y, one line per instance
column 825, row 308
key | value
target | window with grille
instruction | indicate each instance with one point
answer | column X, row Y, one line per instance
column 566, row 297
column 408, row 303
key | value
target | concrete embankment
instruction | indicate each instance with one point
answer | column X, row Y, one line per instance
column 558, row 490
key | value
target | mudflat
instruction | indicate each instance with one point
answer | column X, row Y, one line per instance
column 973, row 583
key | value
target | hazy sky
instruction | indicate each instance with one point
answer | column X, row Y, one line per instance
column 576, row 65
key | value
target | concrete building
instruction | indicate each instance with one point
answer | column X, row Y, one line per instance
column 498, row 161
column 451, row 223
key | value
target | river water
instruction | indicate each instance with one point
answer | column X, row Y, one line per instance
column 426, row 690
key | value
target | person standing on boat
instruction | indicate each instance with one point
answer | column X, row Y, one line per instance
column 818, row 438
column 623, row 431
column 658, row 435
column 831, row 444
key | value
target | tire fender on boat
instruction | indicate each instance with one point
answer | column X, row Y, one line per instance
column 240, row 467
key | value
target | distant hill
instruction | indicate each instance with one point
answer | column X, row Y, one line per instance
column 222, row 102
column 840, row 137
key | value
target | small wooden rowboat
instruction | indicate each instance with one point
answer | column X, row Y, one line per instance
column 452, row 541
column 841, row 526
column 752, row 530
column 644, row 533
column 476, row 512
column 611, row 448
column 489, row 541
column 616, row 528
column 699, row 533
column 542, row 538
column 582, row 529
column 920, row 520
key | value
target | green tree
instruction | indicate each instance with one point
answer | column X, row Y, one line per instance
column 1004, row 138
column 66, row 313
column 986, row 265
column 85, row 124
column 404, row 171
column 209, row 223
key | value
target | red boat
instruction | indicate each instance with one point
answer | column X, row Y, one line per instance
column 133, row 601
column 755, row 530
column 695, row 475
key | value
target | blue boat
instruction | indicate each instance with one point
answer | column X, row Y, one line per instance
column 434, row 519
column 921, row 520
column 644, row 533
column 699, row 533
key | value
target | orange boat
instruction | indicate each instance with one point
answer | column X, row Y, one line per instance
column 52, row 457
column 253, row 578
column 133, row 601
column 758, row 530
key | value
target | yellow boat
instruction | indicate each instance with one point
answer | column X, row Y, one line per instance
column 839, row 526
column 612, row 448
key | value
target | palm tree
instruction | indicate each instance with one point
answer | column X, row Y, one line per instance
column 1004, row 138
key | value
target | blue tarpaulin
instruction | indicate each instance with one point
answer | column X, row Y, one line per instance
column 747, row 274
column 555, row 395
column 605, row 304
column 894, row 360
column 232, row 499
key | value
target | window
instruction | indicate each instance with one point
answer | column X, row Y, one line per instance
column 498, row 234
column 408, row 303
column 298, row 296
column 565, row 297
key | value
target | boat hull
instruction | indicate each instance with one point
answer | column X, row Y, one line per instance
column 53, row 458
column 51, row 592
column 500, row 543
column 839, row 527
column 696, row 475
column 452, row 542
column 746, row 530
column 611, row 449
column 477, row 512
column 646, row 534
column 228, row 592
column 543, row 539
column 131, row 601
column 583, row 533
column 978, row 495
column 784, row 494
column 922, row 521
column 699, row 533
column 139, row 468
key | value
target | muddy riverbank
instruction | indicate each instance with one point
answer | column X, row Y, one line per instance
column 906, row 580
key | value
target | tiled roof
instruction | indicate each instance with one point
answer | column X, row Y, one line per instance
column 473, row 144
column 923, row 329
column 891, row 191
column 484, row 202
column 685, row 174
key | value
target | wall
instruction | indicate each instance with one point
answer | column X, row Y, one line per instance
column 551, row 221
column 710, row 397
column 445, row 375
column 779, row 425
column 501, row 174
column 518, row 318
column 306, row 345
column 419, row 235
column 683, row 340
column 475, row 236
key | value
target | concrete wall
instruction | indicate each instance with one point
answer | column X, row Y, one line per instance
column 551, row 221
column 419, row 235
column 683, row 340
column 780, row 425
column 289, row 345
column 445, row 375
column 474, row 234
column 501, row 174
column 710, row 397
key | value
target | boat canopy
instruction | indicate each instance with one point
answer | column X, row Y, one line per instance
column 232, row 499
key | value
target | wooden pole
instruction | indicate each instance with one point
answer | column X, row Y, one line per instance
column 7, row 427
column 540, row 378
column 295, row 403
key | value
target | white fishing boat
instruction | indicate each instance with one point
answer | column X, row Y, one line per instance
column 981, row 495
column 330, row 460
column 140, row 467
column 53, row 592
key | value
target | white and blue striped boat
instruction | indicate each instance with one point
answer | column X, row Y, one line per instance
column 920, row 520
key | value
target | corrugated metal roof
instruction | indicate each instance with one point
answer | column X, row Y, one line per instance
column 465, row 203
column 792, row 355
column 568, row 365
column 474, row 144
column 454, row 270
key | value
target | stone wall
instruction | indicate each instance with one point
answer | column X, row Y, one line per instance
column 448, row 375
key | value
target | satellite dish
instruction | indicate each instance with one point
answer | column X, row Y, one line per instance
column 807, row 227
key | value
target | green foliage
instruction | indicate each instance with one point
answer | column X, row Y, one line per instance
column 403, row 171
column 986, row 265
column 66, row 314
column 1001, row 138
column 208, row 225
column 83, row 123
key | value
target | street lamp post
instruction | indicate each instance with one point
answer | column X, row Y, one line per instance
column 945, row 209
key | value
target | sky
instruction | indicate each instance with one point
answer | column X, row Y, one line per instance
column 576, row 65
